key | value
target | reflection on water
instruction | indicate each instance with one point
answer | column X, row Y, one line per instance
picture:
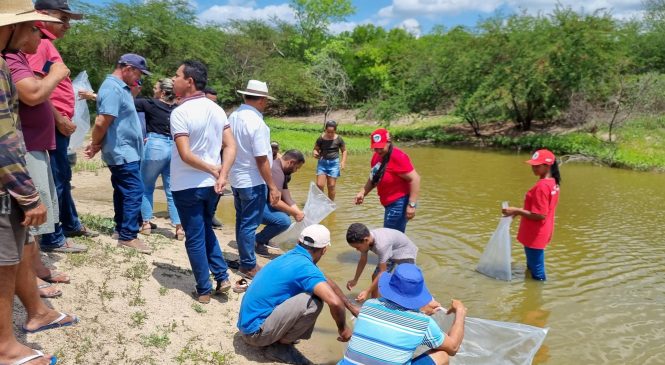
column 606, row 291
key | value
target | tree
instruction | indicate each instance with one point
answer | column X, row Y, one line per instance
column 333, row 82
column 313, row 18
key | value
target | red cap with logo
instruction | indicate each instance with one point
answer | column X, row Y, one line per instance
column 542, row 157
column 379, row 138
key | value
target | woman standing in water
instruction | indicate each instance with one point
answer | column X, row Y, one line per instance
column 157, row 152
column 537, row 223
column 327, row 149
column 395, row 179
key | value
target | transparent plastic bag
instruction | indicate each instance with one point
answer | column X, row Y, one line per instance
column 81, row 113
column 493, row 342
column 317, row 207
column 495, row 261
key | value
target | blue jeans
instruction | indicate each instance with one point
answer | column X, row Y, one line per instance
column 157, row 161
column 535, row 262
column 62, row 177
column 197, row 207
column 127, row 196
column 249, row 204
column 276, row 222
column 395, row 214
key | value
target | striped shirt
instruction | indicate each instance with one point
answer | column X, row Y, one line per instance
column 386, row 333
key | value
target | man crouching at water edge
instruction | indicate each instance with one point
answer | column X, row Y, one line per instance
column 286, row 297
column 390, row 329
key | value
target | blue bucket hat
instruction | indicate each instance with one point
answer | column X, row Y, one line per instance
column 406, row 287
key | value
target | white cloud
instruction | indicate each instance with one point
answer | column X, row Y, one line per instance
column 246, row 10
column 403, row 9
column 411, row 25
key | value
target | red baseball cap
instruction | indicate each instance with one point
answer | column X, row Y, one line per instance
column 379, row 138
column 542, row 157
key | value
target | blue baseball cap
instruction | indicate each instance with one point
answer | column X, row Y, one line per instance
column 134, row 60
column 406, row 287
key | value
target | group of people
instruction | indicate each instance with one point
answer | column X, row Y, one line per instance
column 198, row 151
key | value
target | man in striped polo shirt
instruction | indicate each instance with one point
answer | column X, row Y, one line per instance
column 389, row 329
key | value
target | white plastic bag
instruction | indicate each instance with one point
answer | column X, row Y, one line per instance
column 81, row 113
column 493, row 342
column 496, row 259
column 317, row 207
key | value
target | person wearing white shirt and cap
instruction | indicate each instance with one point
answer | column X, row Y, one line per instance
column 251, row 179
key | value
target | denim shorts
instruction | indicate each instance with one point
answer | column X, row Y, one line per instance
column 328, row 167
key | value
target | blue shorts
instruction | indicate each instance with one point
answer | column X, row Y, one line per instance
column 423, row 359
column 328, row 167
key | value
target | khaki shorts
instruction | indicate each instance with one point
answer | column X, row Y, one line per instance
column 39, row 168
column 12, row 234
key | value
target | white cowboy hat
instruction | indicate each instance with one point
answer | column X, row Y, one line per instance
column 256, row 88
column 20, row 11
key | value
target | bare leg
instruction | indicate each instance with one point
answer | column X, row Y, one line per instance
column 331, row 187
column 321, row 182
column 26, row 288
column 10, row 349
column 439, row 357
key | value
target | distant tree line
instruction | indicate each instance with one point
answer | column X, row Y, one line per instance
column 559, row 66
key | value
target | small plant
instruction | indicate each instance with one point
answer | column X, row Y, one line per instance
column 163, row 290
column 138, row 271
column 138, row 318
column 198, row 308
column 158, row 340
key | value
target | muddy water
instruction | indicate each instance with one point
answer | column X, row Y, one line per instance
column 605, row 298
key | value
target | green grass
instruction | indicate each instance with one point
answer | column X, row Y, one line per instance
column 639, row 143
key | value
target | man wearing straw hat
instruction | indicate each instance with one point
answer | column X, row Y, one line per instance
column 390, row 328
column 20, row 205
column 251, row 174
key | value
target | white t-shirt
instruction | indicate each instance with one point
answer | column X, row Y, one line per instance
column 204, row 122
column 252, row 137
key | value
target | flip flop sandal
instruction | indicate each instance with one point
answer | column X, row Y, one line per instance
column 240, row 286
column 223, row 287
column 36, row 355
column 55, row 294
column 57, row 277
column 54, row 324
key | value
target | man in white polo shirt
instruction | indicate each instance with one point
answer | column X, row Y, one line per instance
column 200, row 129
column 251, row 175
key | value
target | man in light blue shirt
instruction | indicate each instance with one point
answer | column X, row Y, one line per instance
column 117, row 133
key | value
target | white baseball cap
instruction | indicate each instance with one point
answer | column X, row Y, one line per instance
column 316, row 236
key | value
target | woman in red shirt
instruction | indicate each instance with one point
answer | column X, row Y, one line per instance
column 537, row 223
column 395, row 179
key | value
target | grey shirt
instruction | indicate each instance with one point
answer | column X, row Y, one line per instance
column 281, row 181
column 391, row 244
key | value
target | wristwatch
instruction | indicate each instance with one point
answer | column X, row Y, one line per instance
column 413, row 204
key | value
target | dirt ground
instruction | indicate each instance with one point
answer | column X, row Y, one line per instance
column 138, row 309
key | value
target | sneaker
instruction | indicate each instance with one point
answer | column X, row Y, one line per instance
column 135, row 244
column 83, row 232
column 68, row 247
column 249, row 274
column 286, row 354
column 262, row 250
column 216, row 224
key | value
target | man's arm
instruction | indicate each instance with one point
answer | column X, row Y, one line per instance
column 62, row 122
column 33, row 91
column 264, row 169
column 453, row 339
column 102, row 124
column 229, row 150
column 353, row 308
column 414, row 189
column 185, row 152
column 325, row 292
column 292, row 210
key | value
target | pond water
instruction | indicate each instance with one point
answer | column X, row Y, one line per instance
column 604, row 300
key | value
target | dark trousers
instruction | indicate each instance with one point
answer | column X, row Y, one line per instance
column 127, row 198
column 62, row 177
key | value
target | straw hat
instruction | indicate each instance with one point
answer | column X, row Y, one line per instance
column 256, row 88
column 19, row 11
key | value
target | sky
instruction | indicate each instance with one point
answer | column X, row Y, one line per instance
column 416, row 16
